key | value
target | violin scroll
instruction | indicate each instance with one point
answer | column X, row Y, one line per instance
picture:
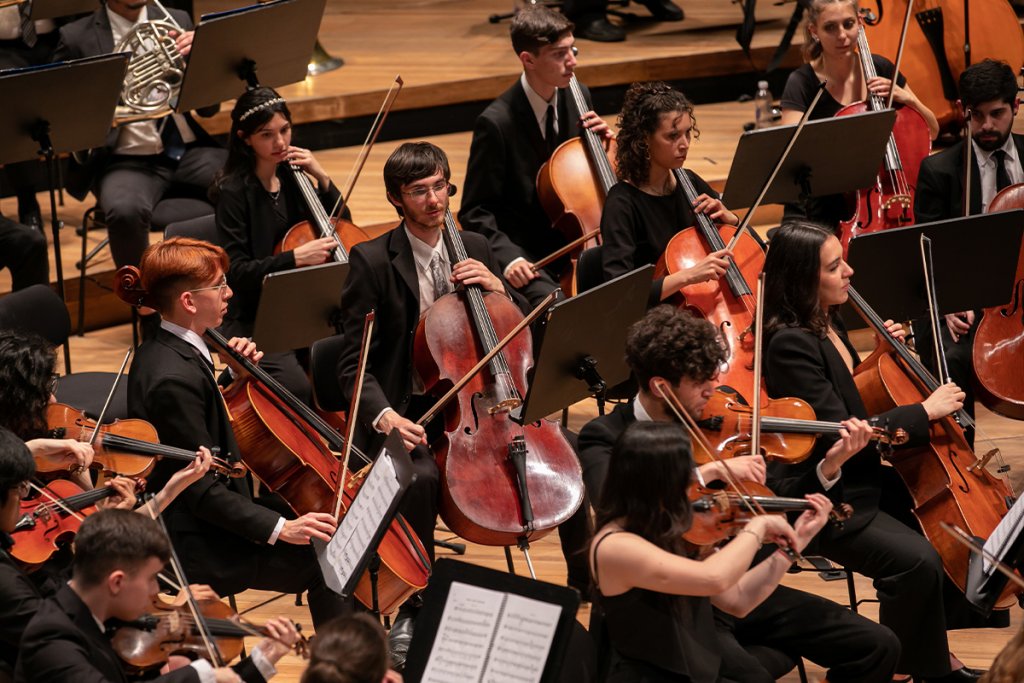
column 128, row 287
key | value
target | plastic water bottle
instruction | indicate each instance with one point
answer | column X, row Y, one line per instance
column 763, row 106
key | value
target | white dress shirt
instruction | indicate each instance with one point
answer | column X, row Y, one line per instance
column 987, row 169
column 10, row 24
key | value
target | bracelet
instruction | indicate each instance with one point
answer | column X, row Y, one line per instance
column 752, row 533
column 791, row 558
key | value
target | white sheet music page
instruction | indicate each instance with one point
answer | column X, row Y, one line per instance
column 1006, row 532
column 522, row 642
column 339, row 560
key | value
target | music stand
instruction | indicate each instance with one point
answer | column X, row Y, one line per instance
column 54, row 9
column 888, row 273
column 810, row 169
column 985, row 583
column 479, row 624
column 219, row 59
column 582, row 346
column 35, row 120
column 281, row 325
column 345, row 558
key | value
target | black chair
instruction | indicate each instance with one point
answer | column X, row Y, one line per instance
column 38, row 310
column 323, row 368
column 200, row 228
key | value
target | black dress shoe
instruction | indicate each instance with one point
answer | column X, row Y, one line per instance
column 664, row 10
column 31, row 218
column 962, row 675
column 399, row 638
column 600, row 30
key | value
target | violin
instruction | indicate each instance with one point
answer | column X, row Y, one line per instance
column 998, row 349
column 502, row 483
column 721, row 513
column 51, row 520
column 127, row 447
column 945, row 479
column 149, row 641
column 788, row 428
column 572, row 186
column 727, row 302
column 889, row 203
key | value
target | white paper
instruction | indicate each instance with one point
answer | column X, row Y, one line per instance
column 524, row 637
column 1008, row 530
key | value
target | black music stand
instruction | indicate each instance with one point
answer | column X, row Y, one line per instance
column 984, row 581
column 54, row 9
column 35, row 120
column 345, row 558
column 888, row 273
column 287, row 31
column 810, row 169
column 479, row 624
column 582, row 346
column 281, row 325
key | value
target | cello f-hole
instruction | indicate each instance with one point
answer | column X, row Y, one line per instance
column 965, row 486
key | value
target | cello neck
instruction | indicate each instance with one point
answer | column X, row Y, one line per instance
column 320, row 219
column 595, row 148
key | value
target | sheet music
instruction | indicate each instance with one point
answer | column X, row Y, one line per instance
column 491, row 636
column 1005, row 533
column 340, row 558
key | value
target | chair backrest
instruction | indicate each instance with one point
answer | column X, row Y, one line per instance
column 202, row 228
column 589, row 272
column 323, row 367
column 36, row 309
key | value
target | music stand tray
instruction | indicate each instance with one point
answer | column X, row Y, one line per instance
column 54, row 9
column 221, row 57
column 282, row 324
column 811, row 169
column 582, row 342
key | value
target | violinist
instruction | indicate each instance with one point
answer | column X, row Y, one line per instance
column 656, row 598
column 512, row 139
column 225, row 538
column 647, row 207
column 988, row 90
column 830, row 55
column 117, row 558
column 808, row 356
column 671, row 346
column 257, row 202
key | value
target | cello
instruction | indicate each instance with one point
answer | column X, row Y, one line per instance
column 502, row 483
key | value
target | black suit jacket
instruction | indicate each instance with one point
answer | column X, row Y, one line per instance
column 19, row 601
column 596, row 440
column 940, row 184
column 383, row 278
column 500, row 198
column 213, row 522
column 799, row 364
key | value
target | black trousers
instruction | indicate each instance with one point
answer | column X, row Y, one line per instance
column 24, row 250
column 851, row 647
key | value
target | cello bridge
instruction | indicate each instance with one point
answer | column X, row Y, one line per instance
column 983, row 461
column 900, row 201
column 505, row 406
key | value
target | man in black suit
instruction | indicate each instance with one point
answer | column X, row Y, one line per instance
column 512, row 139
column 671, row 347
column 988, row 90
column 224, row 537
column 145, row 160
column 118, row 555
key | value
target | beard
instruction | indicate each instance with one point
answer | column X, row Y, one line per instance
column 991, row 144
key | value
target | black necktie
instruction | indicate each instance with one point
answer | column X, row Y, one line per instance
column 28, row 27
column 1002, row 176
column 549, row 129
column 174, row 145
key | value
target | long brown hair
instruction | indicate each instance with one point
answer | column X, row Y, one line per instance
column 792, row 270
column 641, row 114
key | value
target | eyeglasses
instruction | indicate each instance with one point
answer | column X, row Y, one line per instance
column 219, row 288
column 420, row 193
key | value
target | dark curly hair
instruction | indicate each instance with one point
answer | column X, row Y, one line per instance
column 640, row 117
column 26, row 367
column 241, row 161
column 986, row 81
column 349, row 649
column 792, row 270
column 672, row 343
column 16, row 463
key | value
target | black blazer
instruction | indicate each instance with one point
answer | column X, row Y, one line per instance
column 596, row 440
column 940, row 184
column 214, row 523
column 19, row 601
column 500, row 199
column 383, row 278
column 799, row 364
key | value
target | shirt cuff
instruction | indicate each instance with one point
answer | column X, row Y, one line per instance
column 262, row 664
column 699, row 476
column 827, row 483
column 205, row 671
column 509, row 266
column 376, row 420
column 277, row 532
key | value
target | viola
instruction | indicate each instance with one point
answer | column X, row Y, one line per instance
column 51, row 520
column 572, row 186
column 788, row 428
column 148, row 642
column 728, row 302
column 127, row 447
column 945, row 479
column 721, row 513
column 889, row 203
column 502, row 483
column 998, row 353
